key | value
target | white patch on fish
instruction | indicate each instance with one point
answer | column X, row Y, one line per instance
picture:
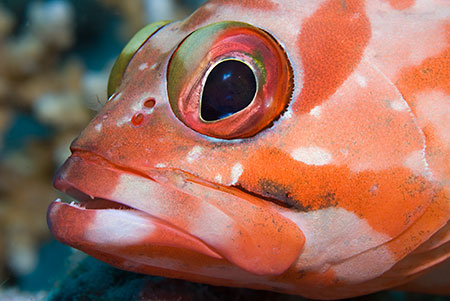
column 312, row 155
column 339, row 237
column 399, row 105
column 416, row 161
column 316, row 111
column 143, row 66
column 98, row 127
column 194, row 154
column 433, row 108
column 128, row 227
column 361, row 80
column 218, row 179
column 236, row 172
column 213, row 226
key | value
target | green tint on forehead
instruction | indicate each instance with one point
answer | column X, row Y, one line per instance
column 128, row 52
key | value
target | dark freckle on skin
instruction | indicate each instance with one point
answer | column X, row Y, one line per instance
column 301, row 274
column 414, row 185
column 328, row 200
column 281, row 194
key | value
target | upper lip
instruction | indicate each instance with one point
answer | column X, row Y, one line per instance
column 159, row 174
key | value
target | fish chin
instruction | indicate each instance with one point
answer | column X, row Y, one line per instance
column 109, row 225
column 131, row 240
column 169, row 223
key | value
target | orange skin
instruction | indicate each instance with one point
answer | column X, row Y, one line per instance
column 344, row 193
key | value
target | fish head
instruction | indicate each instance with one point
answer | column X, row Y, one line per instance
column 249, row 148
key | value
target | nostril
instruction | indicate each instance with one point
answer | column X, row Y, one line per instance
column 150, row 103
column 137, row 119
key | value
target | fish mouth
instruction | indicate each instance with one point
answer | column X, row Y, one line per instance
column 96, row 203
column 128, row 214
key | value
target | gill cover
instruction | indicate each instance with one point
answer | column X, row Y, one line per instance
column 128, row 52
column 229, row 80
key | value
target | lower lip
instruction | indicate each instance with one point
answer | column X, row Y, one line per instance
column 109, row 228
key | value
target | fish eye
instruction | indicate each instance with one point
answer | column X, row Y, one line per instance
column 229, row 80
column 229, row 88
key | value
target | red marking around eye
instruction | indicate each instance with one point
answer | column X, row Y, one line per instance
column 331, row 45
column 401, row 4
column 261, row 4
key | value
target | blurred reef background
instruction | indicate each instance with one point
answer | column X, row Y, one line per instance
column 55, row 58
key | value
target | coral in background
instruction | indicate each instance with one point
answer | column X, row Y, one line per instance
column 133, row 13
column 29, row 65
column 23, row 195
column 5, row 119
column 29, row 69
column 138, row 13
column 44, row 100
column 14, row 294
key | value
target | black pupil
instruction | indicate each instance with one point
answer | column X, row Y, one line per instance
column 229, row 88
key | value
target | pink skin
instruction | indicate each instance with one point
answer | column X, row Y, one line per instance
column 346, row 193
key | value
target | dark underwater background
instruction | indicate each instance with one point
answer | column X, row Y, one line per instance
column 55, row 58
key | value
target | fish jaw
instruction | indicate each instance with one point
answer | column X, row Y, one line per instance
column 123, row 211
column 117, row 228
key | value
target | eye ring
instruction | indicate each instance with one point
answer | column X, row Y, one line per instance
column 204, row 49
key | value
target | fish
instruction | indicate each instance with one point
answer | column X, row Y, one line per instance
column 301, row 147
